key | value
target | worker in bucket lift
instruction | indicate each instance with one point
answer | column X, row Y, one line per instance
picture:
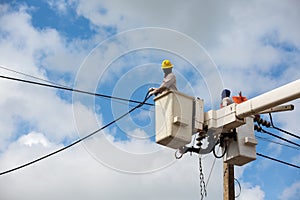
column 225, row 98
column 169, row 81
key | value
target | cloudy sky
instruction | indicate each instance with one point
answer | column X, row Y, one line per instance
column 116, row 48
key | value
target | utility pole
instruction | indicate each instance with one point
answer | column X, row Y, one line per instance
column 228, row 182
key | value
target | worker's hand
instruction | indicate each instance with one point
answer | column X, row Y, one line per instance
column 152, row 92
column 151, row 89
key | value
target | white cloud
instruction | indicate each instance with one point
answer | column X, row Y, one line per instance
column 26, row 106
column 143, row 115
column 296, row 160
column 35, row 108
column 79, row 176
column 232, row 32
column 202, row 20
column 292, row 192
column 288, row 121
column 97, row 13
column 274, row 149
column 247, row 190
column 59, row 5
column 251, row 192
column 239, row 171
column 33, row 139
column 36, row 47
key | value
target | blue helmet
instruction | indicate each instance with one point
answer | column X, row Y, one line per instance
column 225, row 93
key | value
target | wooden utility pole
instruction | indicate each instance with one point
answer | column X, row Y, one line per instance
column 228, row 182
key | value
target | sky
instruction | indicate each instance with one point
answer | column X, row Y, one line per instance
column 116, row 48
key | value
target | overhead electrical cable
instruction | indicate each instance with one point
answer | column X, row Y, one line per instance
column 277, row 160
column 77, row 141
column 284, row 139
column 275, row 142
column 239, row 185
column 51, row 82
column 279, row 129
column 211, row 169
column 31, row 76
column 72, row 90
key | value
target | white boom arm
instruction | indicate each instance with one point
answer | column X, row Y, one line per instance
column 178, row 116
column 243, row 149
column 233, row 115
column 268, row 100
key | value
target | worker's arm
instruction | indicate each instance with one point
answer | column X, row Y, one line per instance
column 168, row 81
column 159, row 90
column 156, row 91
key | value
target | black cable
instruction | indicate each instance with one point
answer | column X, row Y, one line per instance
column 211, row 169
column 31, row 76
column 223, row 154
column 72, row 89
column 275, row 142
column 236, row 196
column 47, row 81
column 76, row 142
column 280, row 161
column 272, row 134
column 279, row 129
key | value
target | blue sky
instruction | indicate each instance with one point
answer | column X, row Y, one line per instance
column 115, row 48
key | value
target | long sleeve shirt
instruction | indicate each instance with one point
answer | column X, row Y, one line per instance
column 169, row 82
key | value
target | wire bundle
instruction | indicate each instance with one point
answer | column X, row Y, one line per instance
column 258, row 127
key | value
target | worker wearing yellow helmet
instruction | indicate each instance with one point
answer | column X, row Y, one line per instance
column 169, row 81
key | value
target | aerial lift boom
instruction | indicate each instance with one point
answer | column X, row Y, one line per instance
column 179, row 116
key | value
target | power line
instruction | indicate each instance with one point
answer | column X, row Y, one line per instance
column 281, row 138
column 211, row 169
column 51, row 82
column 275, row 142
column 239, row 185
column 279, row 129
column 31, row 76
column 72, row 90
column 76, row 142
column 280, row 161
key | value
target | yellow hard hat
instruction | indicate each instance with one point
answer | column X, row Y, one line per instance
column 166, row 64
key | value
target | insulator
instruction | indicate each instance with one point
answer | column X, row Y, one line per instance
column 199, row 140
column 256, row 118
column 199, row 143
column 264, row 123
column 257, row 128
column 201, row 136
column 268, row 124
column 260, row 121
